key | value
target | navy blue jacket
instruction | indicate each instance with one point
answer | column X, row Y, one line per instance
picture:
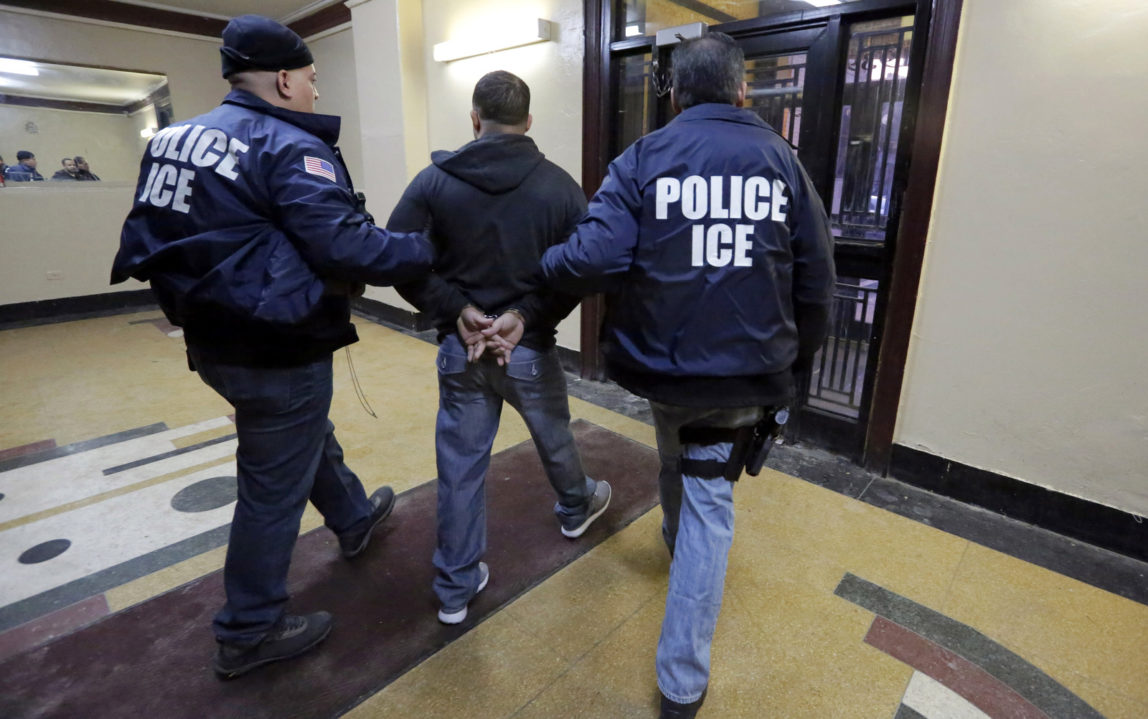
column 246, row 223
column 22, row 173
column 493, row 207
column 720, row 258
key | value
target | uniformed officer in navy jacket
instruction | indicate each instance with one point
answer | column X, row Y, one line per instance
column 718, row 256
column 247, row 226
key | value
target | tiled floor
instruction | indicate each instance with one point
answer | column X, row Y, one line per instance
column 792, row 638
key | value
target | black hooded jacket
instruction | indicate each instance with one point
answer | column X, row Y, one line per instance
column 493, row 208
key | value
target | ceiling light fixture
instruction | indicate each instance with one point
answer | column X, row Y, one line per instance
column 18, row 67
column 514, row 34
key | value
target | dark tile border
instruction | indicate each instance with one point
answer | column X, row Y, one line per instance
column 167, row 455
column 75, row 447
column 67, row 309
column 907, row 712
column 1081, row 519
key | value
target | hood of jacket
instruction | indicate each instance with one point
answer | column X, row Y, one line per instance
column 494, row 164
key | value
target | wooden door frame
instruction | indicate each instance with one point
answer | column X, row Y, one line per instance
column 907, row 247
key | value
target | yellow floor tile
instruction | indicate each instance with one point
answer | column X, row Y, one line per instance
column 574, row 608
column 490, row 672
column 1052, row 620
column 1103, row 699
column 899, row 554
column 787, row 646
column 616, row 679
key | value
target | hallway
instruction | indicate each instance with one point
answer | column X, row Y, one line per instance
column 835, row 606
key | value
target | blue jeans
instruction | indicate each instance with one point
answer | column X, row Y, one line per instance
column 697, row 525
column 287, row 455
column 470, row 405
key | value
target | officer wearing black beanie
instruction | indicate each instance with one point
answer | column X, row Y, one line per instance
column 253, row 42
column 248, row 228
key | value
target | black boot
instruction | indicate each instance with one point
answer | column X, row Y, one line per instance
column 675, row 710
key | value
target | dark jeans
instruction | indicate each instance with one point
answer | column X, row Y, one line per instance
column 470, row 405
column 287, row 455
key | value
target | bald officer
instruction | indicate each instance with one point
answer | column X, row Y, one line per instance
column 247, row 226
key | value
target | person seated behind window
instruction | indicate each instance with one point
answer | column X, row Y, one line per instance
column 68, row 172
column 83, row 172
column 25, row 171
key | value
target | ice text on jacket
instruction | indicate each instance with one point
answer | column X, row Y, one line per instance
column 719, row 243
column 170, row 184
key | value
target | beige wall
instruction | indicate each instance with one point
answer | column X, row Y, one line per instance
column 74, row 231
column 191, row 65
column 110, row 143
column 71, row 230
column 553, row 70
column 1030, row 338
column 338, row 95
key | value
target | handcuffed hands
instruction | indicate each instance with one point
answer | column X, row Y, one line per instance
column 498, row 335
column 471, row 322
column 503, row 335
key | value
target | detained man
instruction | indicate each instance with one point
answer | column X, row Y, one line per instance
column 494, row 207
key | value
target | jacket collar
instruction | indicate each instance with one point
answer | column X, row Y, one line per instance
column 721, row 111
column 324, row 127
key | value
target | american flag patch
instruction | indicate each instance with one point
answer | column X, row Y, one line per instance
column 319, row 166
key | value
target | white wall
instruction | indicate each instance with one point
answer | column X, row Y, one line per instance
column 1030, row 339
column 553, row 70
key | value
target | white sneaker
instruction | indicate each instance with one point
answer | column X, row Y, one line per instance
column 458, row 616
column 598, row 503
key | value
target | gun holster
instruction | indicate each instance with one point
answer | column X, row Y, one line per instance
column 751, row 445
column 361, row 206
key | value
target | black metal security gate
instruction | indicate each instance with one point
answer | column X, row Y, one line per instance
column 838, row 83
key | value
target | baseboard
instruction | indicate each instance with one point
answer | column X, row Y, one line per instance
column 1080, row 519
column 66, row 309
column 383, row 313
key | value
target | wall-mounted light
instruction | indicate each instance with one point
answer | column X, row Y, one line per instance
column 18, row 67
column 148, row 133
column 506, row 36
column 822, row 3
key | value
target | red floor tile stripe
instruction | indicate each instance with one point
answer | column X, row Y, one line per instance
column 980, row 688
column 25, row 449
column 50, row 626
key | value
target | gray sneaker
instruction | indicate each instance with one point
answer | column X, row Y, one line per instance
column 450, row 615
column 598, row 503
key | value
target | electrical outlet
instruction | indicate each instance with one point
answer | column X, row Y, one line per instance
column 54, row 275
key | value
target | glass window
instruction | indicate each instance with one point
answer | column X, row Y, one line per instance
column 871, row 112
column 634, row 100
column 646, row 17
column 776, row 84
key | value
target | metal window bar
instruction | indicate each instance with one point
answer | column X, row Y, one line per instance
column 838, row 376
column 870, row 124
column 775, row 92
